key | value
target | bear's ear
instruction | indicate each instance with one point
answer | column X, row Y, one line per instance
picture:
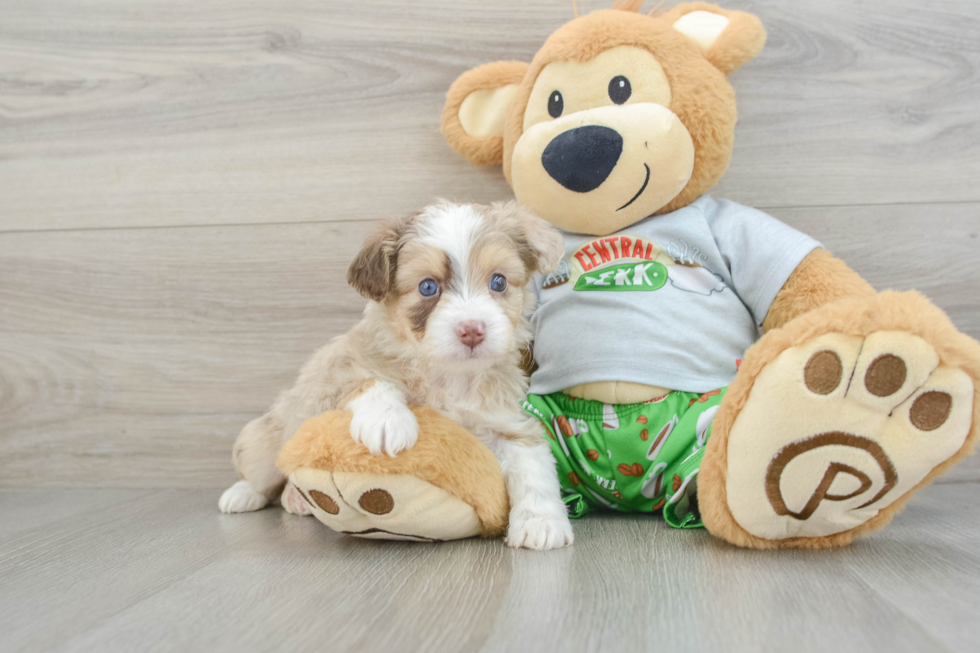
column 728, row 39
column 476, row 109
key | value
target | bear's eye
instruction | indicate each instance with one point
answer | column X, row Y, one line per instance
column 556, row 104
column 619, row 89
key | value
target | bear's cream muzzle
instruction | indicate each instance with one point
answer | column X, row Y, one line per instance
column 599, row 170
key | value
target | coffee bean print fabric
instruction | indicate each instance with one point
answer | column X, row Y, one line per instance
column 631, row 457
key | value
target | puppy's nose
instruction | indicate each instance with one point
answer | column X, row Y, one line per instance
column 471, row 332
column 582, row 158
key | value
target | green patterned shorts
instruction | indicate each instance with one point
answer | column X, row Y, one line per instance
column 629, row 457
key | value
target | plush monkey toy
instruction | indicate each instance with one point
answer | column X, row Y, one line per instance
column 652, row 382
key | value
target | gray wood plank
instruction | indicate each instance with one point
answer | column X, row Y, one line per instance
column 178, row 112
column 33, row 511
column 125, row 553
column 133, row 357
column 164, row 571
column 124, row 344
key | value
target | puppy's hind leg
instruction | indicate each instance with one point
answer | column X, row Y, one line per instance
column 242, row 497
column 293, row 502
column 254, row 455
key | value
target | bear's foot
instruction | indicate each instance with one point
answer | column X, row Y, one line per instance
column 447, row 487
column 839, row 417
column 385, row 506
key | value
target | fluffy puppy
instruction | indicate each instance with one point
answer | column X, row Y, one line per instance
column 445, row 327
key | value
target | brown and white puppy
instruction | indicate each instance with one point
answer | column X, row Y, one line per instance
column 445, row 327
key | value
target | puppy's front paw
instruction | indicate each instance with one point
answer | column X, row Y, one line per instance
column 539, row 533
column 384, row 428
column 382, row 421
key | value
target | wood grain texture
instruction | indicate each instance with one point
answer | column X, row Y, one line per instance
column 163, row 571
column 133, row 357
column 175, row 112
column 146, row 351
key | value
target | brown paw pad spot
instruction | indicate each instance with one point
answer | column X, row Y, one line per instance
column 326, row 504
column 930, row 410
column 823, row 372
column 377, row 501
column 885, row 375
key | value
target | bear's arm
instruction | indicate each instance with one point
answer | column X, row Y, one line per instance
column 819, row 279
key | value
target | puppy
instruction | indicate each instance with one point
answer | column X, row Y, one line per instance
column 444, row 327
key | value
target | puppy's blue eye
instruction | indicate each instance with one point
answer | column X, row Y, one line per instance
column 498, row 283
column 428, row 288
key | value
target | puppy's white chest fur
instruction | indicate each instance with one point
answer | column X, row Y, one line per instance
column 486, row 402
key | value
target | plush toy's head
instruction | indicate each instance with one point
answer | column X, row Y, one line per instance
column 619, row 116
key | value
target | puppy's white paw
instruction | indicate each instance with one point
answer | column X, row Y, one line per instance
column 293, row 502
column 540, row 533
column 242, row 497
column 386, row 430
column 382, row 422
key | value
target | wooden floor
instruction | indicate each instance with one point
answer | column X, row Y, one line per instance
column 158, row 570
column 182, row 187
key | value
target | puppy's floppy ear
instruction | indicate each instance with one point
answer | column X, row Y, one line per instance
column 477, row 105
column 373, row 271
column 539, row 244
column 728, row 39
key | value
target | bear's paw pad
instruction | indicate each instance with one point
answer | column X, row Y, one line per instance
column 837, row 429
column 385, row 506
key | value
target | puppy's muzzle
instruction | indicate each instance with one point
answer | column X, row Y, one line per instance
column 581, row 159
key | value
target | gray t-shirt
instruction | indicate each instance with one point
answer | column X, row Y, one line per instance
column 672, row 301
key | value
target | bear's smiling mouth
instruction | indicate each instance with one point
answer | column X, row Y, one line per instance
column 639, row 192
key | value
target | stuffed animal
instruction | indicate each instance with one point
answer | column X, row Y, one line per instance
column 447, row 487
column 696, row 357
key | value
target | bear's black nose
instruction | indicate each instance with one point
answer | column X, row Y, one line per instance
column 581, row 158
